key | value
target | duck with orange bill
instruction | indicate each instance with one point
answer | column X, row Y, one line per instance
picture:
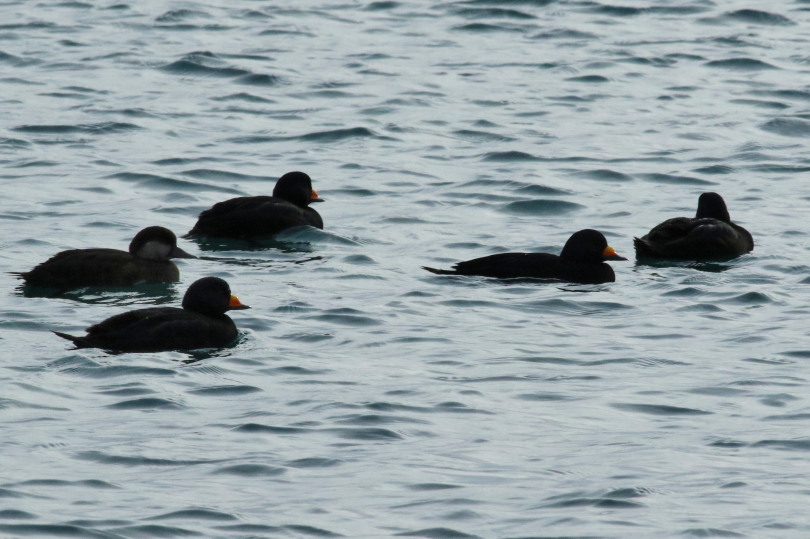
column 262, row 216
column 582, row 260
column 200, row 323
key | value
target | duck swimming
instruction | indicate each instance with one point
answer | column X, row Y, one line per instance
column 581, row 261
column 201, row 323
column 147, row 261
column 260, row 216
column 710, row 235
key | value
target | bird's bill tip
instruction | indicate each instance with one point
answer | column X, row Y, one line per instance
column 177, row 252
column 313, row 197
column 235, row 304
column 610, row 254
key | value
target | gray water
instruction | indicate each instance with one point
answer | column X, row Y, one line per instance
column 366, row 397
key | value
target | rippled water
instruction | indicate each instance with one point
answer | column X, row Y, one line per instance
column 367, row 398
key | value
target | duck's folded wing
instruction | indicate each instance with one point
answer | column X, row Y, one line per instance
column 670, row 230
column 85, row 267
column 510, row 265
column 720, row 239
column 161, row 328
column 702, row 239
column 137, row 320
column 247, row 217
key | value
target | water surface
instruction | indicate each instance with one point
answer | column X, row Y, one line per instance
column 365, row 397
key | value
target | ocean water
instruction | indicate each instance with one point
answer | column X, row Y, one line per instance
column 366, row 397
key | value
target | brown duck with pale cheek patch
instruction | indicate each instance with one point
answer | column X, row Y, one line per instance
column 147, row 261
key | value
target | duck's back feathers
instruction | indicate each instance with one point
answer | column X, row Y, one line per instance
column 581, row 261
column 260, row 216
column 148, row 261
column 156, row 329
column 251, row 217
column 537, row 266
column 99, row 267
column 201, row 323
column 510, row 265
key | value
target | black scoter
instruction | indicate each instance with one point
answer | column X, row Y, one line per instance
column 261, row 216
column 581, row 261
column 146, row 262
column 710, row 235
column 201, row 323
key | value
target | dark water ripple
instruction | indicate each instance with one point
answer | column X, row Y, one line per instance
column 366, row 397
column 754, row 16
column 668, row 178
column 541, row 207
column 336, row 135
column 267, row 429
column 225, row 391
column 210, row 65
column 741, row 64
column 95, row 129
column 58, row 483
column 53, row 530
column 100, row 457
column 146, row 404
column 194, row 514
column 152, row 530
column 659, row 409
column 789, row 127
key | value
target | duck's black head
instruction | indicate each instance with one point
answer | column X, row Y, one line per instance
column 211, row 296
column 712, row 205
column 588, row 247
column 296, row 187
column 156, row 243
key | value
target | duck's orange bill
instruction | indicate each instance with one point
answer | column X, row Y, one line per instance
column 610, row 254
column 313, row 196
column 234, row 303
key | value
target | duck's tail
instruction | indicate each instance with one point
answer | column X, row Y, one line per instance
column 643, row 248
column 439, row 271
column 78, row 341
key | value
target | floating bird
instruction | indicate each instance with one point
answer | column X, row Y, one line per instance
column 581, row 261
column 146, row 262
column 201, row 323
column 260, row 216
column 710, row 235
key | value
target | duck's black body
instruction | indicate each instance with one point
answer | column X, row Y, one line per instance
column 710, row 235
column 262, row 216
column 581, row 261
column 148, row 261
column 201, row 323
